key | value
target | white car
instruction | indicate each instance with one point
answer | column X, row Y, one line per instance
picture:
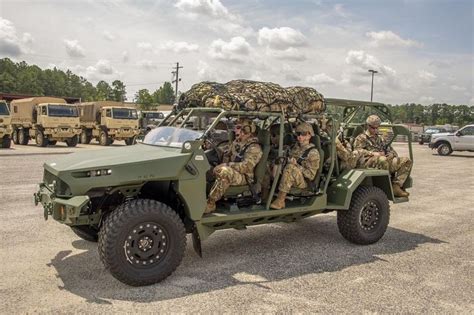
column 461, row 140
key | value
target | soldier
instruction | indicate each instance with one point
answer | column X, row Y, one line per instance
column 238, row 163
column 302, row 165
column 371, row 141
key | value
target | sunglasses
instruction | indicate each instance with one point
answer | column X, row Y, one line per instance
column 301, row 134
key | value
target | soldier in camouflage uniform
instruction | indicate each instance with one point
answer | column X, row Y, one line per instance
column 238, row 163
column 302, row 166
column 359, row 158
column 371, row 141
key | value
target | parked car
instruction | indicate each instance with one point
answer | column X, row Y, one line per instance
column 425, row 137
column 461, row 140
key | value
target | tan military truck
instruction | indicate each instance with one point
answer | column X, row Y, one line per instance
column 45, row 119
column 107, row 121
column 5, row 127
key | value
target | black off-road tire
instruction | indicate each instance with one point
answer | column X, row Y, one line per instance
column 130, row 141
column 367, row 218
column 85, row 137
column 86, row 232
column 23, row 136
column 104, row 138
column 444, row 149
column 41, row 140
column 136, row 223
column 15, row 136
column 6, row 142
column 72, row 142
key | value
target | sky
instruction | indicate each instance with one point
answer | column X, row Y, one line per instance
column 421, row 49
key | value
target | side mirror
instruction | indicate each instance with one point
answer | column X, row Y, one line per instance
column 458, row 134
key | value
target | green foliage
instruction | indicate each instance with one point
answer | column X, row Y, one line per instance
column 436, row 114
column 164, row 95
column 22, row 78
column 144, row 98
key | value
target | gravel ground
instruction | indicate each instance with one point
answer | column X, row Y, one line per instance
column 423, row 264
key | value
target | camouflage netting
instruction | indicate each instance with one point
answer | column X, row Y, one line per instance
column 253, row 96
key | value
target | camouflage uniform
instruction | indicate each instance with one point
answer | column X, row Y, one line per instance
column 234, row 172
column 295, row 175
column 359, row 158
column 391, row 161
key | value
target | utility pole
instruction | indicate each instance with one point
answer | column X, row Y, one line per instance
column 176, row 80
column 372, row 87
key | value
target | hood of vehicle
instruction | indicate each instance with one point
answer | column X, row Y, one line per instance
column 441, row 134
column 115, row 157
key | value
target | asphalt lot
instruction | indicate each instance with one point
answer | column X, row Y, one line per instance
column 423, row 264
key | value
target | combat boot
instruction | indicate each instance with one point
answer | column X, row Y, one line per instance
column 398, row 191
column 210, row 206
column 279, row 202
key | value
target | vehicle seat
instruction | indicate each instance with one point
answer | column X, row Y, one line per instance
column 260, row 168
column 357, row 131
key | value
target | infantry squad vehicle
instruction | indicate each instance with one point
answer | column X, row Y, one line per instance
column 45, row 119
column 5, row 126
column 139, row 202
column 107, row 121
column 461, row 140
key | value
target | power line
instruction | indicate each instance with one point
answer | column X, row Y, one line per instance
column 176, row 80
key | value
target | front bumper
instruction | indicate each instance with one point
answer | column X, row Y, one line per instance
column 124, row 133
column 5, row 131
column 67, row 211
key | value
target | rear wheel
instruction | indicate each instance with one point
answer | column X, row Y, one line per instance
column 15, row 136
column 444, row 149
column 367, row 218
column 142, row 242
column 86, row 232
column 72, row 142
column 41, row 140
column 130, row 141
column 85, row 137
column 104, row 138
column 6, row 142
column 23, row 136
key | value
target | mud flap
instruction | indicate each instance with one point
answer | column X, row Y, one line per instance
column 197, row 242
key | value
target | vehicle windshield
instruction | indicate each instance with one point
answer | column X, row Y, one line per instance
column 124, row 113
column 154, row 115
column 4, row 109
column 171, row 136
column 62, row 111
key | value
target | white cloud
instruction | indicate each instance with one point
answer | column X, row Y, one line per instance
column 389, row 38
column 145, row 46
column 103, row 66
column 73, row 48
column 205, row 72
column 426, row 100
column 108, row 35
column 427, row 76
column 212, row 8
column 281, row 38
column 234, row 50
column 179, row 47
column 320, row 79
column 10, row 43
column 291, row 53
column 147, row 65
column 125, row 57
column 458, row 88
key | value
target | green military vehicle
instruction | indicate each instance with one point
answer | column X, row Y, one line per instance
column 107, row 121
column 5, row 126
column 45, row 119
column 140, row 202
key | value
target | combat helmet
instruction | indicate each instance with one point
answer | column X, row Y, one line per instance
column 373, row 120
column 305, row 127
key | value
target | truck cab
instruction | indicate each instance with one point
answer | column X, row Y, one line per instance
column 5, row 125
column 461, row 140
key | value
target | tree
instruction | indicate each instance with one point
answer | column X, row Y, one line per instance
column 118, row 91
column 144, row 99
column 164, row 95
column 104, row 91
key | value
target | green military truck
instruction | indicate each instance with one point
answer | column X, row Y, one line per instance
column 5, row 126
column 140, row 202
column 107, row 121
column 45, row 119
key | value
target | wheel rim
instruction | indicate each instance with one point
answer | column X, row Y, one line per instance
column 369, row 216
column 146, row 245
column 444, row 149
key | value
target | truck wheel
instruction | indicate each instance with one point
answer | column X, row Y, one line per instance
column 6, row 142
column 41, row 141
column 444, row 149
column 85, row 138
column 142, row 242
column 53, row 142
column 104, row 138
column 85, row 232
column 367, row 218
column 23, row 136
column 130, row 141
column 72, row 142
column 15, row 136
column 420, row 142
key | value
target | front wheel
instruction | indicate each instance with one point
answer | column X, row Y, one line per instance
column 41, row 140
column 444, row 149
column 130, row 141
column 367, row 218
column 104, row 138
column 72, row 142
column 6, row 142
column 86, row 232
column 142, row 242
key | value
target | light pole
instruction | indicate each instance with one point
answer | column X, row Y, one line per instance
column 372, row 87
